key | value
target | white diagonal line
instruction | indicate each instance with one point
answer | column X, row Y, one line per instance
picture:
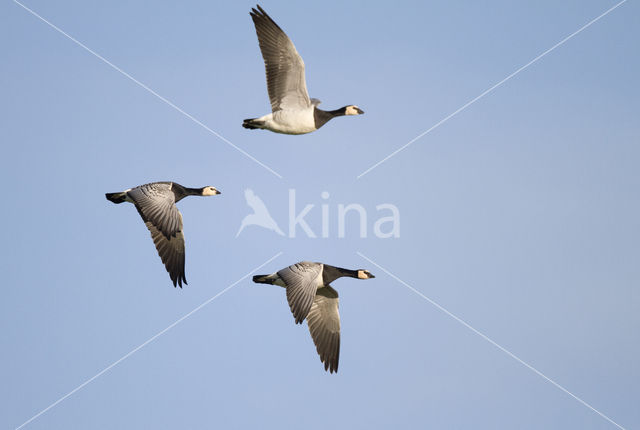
column 109, row 63
column 142, row 345
column 491, row 341
column 484, row 93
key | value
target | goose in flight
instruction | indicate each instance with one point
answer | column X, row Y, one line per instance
column 311, row 296
column 156, row 204
column 260, row 215
column 292, row 111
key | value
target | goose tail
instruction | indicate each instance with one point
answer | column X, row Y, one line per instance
column 116, row 197
column 262, row 279
column 252, row 123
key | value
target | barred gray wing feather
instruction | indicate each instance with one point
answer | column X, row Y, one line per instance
column 171, row 251
column 156, row 204
column 284, row 67
column 324, row 325
column 301, row 280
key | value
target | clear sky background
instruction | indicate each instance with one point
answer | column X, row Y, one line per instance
column 520, row 215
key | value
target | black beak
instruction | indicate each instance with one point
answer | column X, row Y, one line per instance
column 218, row 192
column 371, row 276
column 360, row 111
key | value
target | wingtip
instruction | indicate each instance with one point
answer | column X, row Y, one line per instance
column 178, row 281
column 331, row 367
column 257, row 11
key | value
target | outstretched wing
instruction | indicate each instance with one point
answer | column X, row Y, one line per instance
column 301, row 280
column 284, row 67
column 324, row 325
column 171, row 251
column 156, row 204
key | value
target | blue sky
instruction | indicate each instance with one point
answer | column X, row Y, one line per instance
column 520, row 215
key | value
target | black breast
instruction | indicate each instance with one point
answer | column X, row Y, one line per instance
column 320, row 117
column 179, row 192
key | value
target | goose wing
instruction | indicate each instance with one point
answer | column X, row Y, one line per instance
column 324, row 325
column 156, row 203
column 171, row 251
column 284, row 66
column 301, row 280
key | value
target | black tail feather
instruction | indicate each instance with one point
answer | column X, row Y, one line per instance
column 261, row 279
column 116, row 197
column 252, row 124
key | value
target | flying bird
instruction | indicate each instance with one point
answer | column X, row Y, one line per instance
column 311, row 297
column 260, row 215
column 156, row 204
column 292, row 111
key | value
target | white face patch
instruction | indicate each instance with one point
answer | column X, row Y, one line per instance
column 210, row 191
column 351, row 110
column 362, row 275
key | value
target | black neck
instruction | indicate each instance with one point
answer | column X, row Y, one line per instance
column 181, row 192
column 193, row 191
column 331, row 273
column 321, row 117
column 338, row 112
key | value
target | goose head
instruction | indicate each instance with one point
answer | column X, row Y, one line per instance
column 209, row 191
column 353, row 110
column 364, row 274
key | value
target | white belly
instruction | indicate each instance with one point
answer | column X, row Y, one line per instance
column 290, row 121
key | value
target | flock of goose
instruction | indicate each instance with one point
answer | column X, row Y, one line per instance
column 307, row 284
